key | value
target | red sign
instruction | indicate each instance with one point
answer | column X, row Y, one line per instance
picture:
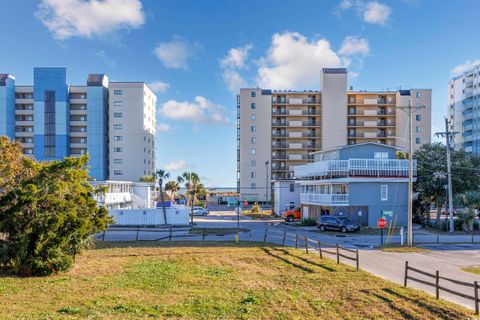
column 245, row 203
column 381, row 223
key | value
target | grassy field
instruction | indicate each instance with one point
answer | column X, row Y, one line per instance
column 474, row 270
column 212, row 281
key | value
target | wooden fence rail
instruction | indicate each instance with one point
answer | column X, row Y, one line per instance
column 438, row 288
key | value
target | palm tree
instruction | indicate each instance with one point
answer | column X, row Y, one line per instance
column 173, row 187
column 162, row 175
column 192, row 183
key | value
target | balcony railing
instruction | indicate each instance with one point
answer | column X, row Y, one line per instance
column 324, row 199
column 355, row 168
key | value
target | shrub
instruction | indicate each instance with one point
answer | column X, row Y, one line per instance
column 308, row 222
column 256, row 209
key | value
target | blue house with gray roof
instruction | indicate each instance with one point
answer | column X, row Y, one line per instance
column 362, row 182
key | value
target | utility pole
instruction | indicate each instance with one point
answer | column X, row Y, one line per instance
column 448, row 136
column 266, row 181
column 410, row 111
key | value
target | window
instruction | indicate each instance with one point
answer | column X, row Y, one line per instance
column 418, row 140
column 117, row 161
column 253, row 140
column 118, row 126
column 117, row 103
column 117, row 172
column 253, row 163
column 418, row 117
column 117, row 149
column 253, row 174
column 292, row 187
column 253, row 128
column 253, row 152
column 117, row 115
column 253, row 105
column 117, row 138
column 253, row 185
column 418, row 129
column 380, row 155
column 253, row 116
column 254, row 94
column 384, row 192
column 418, row 94
column 118, row 92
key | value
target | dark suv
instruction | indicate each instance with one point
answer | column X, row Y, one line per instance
column 342, row 224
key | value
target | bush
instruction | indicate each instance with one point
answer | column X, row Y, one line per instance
column 48, row 217
column 199, row 204
column 256, row 209
column 308, row 222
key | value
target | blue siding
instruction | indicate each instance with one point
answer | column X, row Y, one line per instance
column 368, row 194
column 97, row 133
column 7, row 109
column 365, row 151
column 51, row 79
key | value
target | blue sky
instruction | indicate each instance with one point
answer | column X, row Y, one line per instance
column 197, row 53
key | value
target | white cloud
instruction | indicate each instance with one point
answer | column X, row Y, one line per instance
column 354, row 46
column 371, row 12
column 467, row 65
column 163, row 127
column 176, row 165
column 293, row 61
column 176, row 53
column 236, row 57
column 102, row 55
column 376, row 13
column 235, row 60
column 199, row 111
column 69, row 18
column 159, row 86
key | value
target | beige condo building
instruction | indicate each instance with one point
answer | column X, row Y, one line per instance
column 280, row 129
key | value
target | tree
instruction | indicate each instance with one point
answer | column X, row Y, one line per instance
column 471, row 202
column 48, row 215
column 147, row 178
column 13, row 165
column 192, row 183
column 173, row 187
column 162, row 175
column 432, row 174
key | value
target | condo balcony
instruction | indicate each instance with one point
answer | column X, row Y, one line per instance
column 355, row 168
column 324, row 199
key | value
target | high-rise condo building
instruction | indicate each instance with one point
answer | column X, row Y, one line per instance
column 114, row 122
column 464, row 109
column 280, row 129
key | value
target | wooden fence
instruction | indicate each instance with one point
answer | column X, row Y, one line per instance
column 435, row 283
column 168, row 232
column 315, row 245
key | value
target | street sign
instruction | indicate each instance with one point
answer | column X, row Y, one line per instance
column 387, row 213
column 381, row 223
column 245, row 203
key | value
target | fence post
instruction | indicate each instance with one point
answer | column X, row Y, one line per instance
column 306, row 245
column 338, row 255
column 406, row 274
column 475, row 285
column 357, row 256
column 296, row 241
column 284, row 237
column 438, row 238
column 320, row 250
column 138, row 230
column 265, row 237
column 472, row 237
column 203, row 234
column 437, row 289
column 103, row 236
column 170, row 234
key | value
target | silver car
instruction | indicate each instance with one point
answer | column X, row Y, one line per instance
column 199, row 211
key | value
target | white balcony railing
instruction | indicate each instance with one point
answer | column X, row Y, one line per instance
column 355, row 168
column 324, row 199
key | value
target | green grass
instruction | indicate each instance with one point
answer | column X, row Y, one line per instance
column 212, row 280
column 473, row 269
column 217, row 231
column 262, row 215
column 404, row 249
